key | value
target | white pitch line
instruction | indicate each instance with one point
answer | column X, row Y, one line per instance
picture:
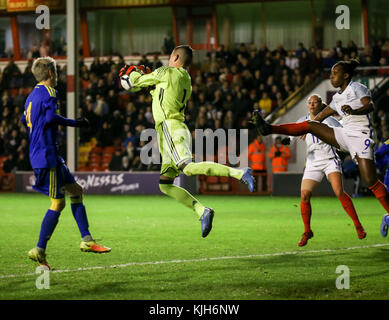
column 124, row 265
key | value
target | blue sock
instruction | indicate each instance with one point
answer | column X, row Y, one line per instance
column 47, row 228
column 79, row 214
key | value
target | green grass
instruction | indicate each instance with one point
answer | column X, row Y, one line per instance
column 143, row 229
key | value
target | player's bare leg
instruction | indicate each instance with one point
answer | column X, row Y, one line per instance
column 335, row 179
column 367, row 169
column 320, row 130
column 88, row 244
column 307, row 187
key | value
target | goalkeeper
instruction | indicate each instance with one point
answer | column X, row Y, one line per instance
column 172, row 91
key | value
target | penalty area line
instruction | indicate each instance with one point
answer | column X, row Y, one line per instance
column 130, row 264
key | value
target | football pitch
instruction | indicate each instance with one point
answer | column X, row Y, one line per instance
column 158, row 251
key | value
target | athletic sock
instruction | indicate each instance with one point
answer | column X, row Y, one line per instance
column 214, row 169
column 348, row 206
column 79, row 214
column 291, row 129
column 182, row 196
column 381, row 194
column 386, row 179
column 306, row 212
column 47, row 228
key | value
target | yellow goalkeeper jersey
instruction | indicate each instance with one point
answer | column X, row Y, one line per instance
column 172, row 91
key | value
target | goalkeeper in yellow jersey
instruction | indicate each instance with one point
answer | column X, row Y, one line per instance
column 172, row 91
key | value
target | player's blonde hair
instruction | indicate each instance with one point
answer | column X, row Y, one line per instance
column 41, row 66
column 317, row 96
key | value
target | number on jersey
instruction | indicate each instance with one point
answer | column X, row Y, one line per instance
column 28, row 117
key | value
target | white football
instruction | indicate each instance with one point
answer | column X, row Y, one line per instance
column 125, row 82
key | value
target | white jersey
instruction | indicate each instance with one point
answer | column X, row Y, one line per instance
column 352, row 96
column 318, row 151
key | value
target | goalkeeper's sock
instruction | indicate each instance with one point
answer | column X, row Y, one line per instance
column 47, row 228
column 209, row 168
column 79, row 214
column 348, row 206
column 181, row 195
column 381, row 194
column 291, row 129
column 306, row 212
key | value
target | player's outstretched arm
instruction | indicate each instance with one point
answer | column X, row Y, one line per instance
column 54, row 118
column 324, row 114
column 140, row 78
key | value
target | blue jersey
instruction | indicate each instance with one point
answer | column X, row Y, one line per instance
column 382, row 155
column 41, row 118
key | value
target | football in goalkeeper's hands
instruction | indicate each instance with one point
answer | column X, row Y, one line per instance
column 126, row 84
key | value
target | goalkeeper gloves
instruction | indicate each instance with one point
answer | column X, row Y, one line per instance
column 128, row 69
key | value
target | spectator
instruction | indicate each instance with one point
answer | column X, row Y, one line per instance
column 168, row 43
column 9, row 165
column 292, row 61
column 23, row 163
column 330, row 59
column 100, row 107
column 279, row 154
column 300, row 50
column 265, row 104
column 105, row 136
column 126, row 164
column 156, row 63
column 339, row 50
column 144, row 61
column 116, row 161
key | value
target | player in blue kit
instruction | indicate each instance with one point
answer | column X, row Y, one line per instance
column 53, row 177
column 382, row 160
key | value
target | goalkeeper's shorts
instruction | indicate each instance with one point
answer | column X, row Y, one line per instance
column 174, row 141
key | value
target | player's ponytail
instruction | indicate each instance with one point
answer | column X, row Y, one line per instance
column 349, row 66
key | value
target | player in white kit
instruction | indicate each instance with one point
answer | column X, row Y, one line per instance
column 353, row 103
column 322, row 160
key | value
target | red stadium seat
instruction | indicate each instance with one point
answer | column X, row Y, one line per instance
column 97, row 149
column 212, row 180
column 224, row 179
column 109, row 149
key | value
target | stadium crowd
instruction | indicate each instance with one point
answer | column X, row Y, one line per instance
column 227, row 86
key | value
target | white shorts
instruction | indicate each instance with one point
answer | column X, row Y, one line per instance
column 317, row 172
column 356, row 143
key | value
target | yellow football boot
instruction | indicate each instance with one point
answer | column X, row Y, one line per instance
column 92, row 246
column 40, row 257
